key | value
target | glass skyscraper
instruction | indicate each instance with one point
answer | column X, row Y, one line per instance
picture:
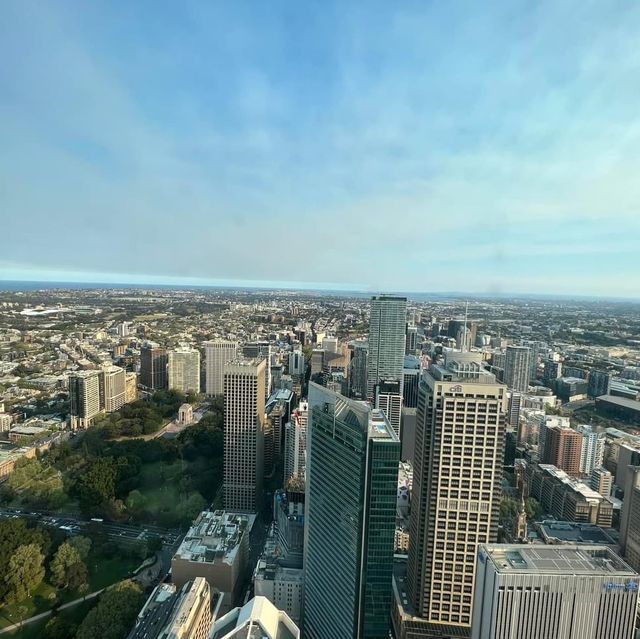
column 352, row 473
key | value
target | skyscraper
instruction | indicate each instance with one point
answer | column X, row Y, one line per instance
column 184, row 369
column 455, row 501
column 358, row 368
column 296, row 363
column 352, row 476
column 386, row 341
column 412, row 339
column 295, row 444
column 592, row 454
column 112, row 388
column 517, row 367
column 84, row 397
column 244, row 422
column 389, row 400
column 216, row 354
column 153, row 366
column 563, row 449
column 599, row 383
column 559, row 592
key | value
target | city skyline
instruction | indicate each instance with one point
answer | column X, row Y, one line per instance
column 472, row 152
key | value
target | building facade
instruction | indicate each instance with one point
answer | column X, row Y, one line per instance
column 244, row 426
column 183, row 369
column 457, row 488
column 350, row 518
column 84, row 397
column 517, row 367
column 216, row 354
column 559, row 592
column 153, row 367
column 387, row 337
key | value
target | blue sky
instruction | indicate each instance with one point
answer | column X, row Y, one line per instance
column 423, row 146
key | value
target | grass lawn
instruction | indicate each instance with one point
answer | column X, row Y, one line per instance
column 109, row 571
column 39, row 602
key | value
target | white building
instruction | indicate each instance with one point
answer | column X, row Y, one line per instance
column 559, row 592
column 184, row 369
column 216, row 354
column 296, row 363
column 258, row 618
column 112, row 388
column 592, row 454
column 185, row 415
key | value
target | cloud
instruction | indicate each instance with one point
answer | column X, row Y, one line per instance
column 424, row 146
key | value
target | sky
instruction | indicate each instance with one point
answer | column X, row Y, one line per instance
column 428, row 146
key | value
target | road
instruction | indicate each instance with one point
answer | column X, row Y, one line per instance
column 74, row 525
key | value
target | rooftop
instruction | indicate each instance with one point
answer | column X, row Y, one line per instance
column 620, row 401
column 257, row 619
column 574, row 484
column 215, row 537
column 562, row 560
column 573, row 532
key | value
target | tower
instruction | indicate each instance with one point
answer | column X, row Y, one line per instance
column 216, row 354
column 84, row 396
column 386, row 341
column 459, row 451
column 153, row 366
column 517, row 368
column 352, row 476
column 244, row 422
column 184, row 369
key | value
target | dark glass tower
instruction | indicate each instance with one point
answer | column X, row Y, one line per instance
column 351, row 504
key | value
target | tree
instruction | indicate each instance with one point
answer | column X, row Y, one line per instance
column 67, row 566
column 115, row 613
column 508, row 509
column 59, row 628
column 136, row 502
column 82, row 545
column 533, row 508
column 98, row 484
column 26, row 571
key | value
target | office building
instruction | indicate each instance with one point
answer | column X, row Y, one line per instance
column 84, row 397
column 513, row 416
column 289, row 508
column 295, row 444
column 412, row 339
column 130, row 388
column 260, row 350
column 410, row 380
column 386, row 341
column 567, row 498
column 244, row 425
column 456, row 493
column 599, row 383
column 296, row 363
column 352, row 475
column 170, row 613
column 113, row 388
column 389, row 400
column 257, row 619
column 592, row 454
column 183, row 369
column 5, row 422
column 358, row 369
column 216, row 354
column 630, row 518
column 601, row 481
column 553, row 592
column 216, row 547
column 153, row 367
column 517, row 367
column 571, row 389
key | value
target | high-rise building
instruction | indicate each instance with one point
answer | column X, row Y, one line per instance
column 295, row 443
column 352, row 476
column 601, row 481
column 517, row 366
column 563, row 449
column 599, row 383
column 456, row 493
column 389, row 400
column 630, row 518
column 113, row 388
column 216, row 354
column 183, row 369
column 177, row 614
column 260, row 350
column 244, row 423
column 410, row 381
column 592, row 453
column 358, row 369
column 559, row 592
column 552, row 370
column 84, row 397
column 296, row 363
column 515, row 402
column 153, row 367
column 412, row 340
column 386, row 341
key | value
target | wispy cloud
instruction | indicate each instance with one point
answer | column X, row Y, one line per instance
column 419, row 147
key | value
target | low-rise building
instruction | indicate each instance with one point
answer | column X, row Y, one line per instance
column 216, row 548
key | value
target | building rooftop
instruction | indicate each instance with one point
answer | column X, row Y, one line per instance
column 562, row 560
column 257, row 619
column 574, row 532
column 215, row 536
column 620, row 401
column 575, row 484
